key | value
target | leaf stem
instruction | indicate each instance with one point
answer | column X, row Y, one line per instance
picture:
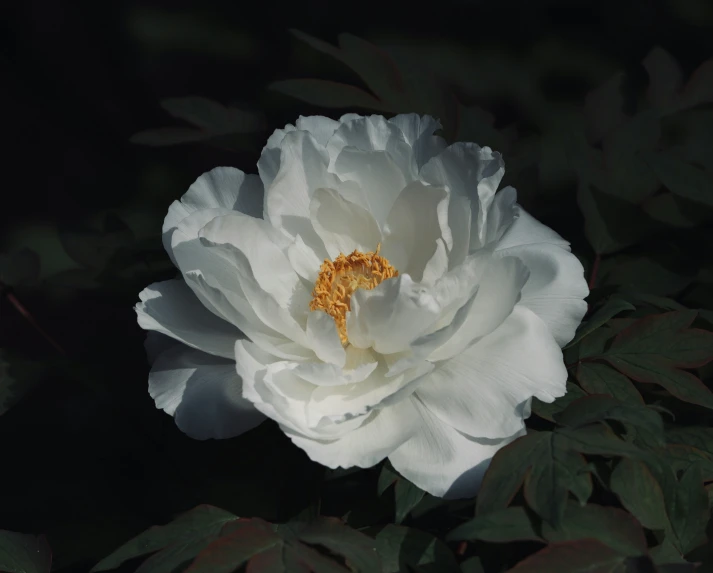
column 12, row 299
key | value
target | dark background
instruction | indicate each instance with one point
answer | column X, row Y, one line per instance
column 85, row 457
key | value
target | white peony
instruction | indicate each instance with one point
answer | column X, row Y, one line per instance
column 371, row 293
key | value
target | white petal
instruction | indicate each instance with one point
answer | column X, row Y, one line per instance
column 443, row 461
column 437, row 265
column 391, row 315
column 383, row 432
column 358, row 366
column 322, row 128
column 379, row 179
column 264, row 247
column 498, row 292
column 418, row 131
column 269, row 163
column 418, row 218
column 323, row 338
column 459, row 222
column 468, row 170
column 304, row 260
column 556, row 288
column 171, row 308
column 203, row 393
column 225, row 188
column 342, row 225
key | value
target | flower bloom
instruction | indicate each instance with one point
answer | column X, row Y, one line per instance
column 371, row 293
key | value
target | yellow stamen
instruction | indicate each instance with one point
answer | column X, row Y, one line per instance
column 338, row 279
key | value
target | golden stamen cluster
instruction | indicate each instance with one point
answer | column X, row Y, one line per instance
column 338, row 279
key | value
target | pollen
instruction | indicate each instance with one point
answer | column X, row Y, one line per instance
column 338, row 279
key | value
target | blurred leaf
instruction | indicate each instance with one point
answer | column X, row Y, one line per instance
column 472, row 565
column 93, row 249
column 654, row 347
column 598, row 378
column 662, row 274
column 506, row 472
column 674, row 211
column 698, row 89
column 184, row 536
column 681, row 178
column 613, row 527
column 665, row 77
column 17, row 377
column 603, row 108
column 613, row 306
column 405, row 549
column 20, row 267
column 502, row 526
column 20, row 553
column 169, row 136
column 640, row 493
column 212, row 116
column 547, row 410
column 326, row 93
column 582, row 556
column 600, row 407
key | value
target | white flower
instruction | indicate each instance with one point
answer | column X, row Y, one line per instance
column 371, row 293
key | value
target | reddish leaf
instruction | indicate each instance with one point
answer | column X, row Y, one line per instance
column 584, row 556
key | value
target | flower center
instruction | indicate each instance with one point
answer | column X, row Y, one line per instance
column 338, row 279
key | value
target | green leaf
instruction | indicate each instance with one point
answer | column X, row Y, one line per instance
column 198, row 526
column 615, row 528
column 556, row 471
column 681, row 178
column 387, row 477
column 326, row 93
column 506, row 472
column 402, row 548
column 609, row 310
column 601, row 407
column 689, row 513
column 664, row 273
column 665, row 552
column 640, row 493
column 472, row 565
column 288, row 548
column 597, row 378
column 596, row 343
column 503, row 526
column 699, row 437
column 20, row 553
column 681, row 457
column 582, row 556
column 547, row 410
column 406, row 496
column 598, row 440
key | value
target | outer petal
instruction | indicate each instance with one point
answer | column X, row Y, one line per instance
column 382, row 432
column 269, row 163
column 203, row 393
column 443, row 461
column 225, row 188
column 470, row 171
column 556, row 288
column 171, row 308
column 418, row 131
column 322, row 128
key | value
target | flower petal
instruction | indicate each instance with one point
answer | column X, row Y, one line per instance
column 224, row 188
column 342, row 225
column 468, row 170
column 269, row 163
column 322, row 128
column 377, row 437
column 171, row 308
column 418, row 131
column 418, row 218
column 323, row 338
column 556, row 288
column 441, row 460
column 203, row 393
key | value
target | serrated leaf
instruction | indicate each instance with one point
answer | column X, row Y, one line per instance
column 597, row 378
column 503, row 526
column 600, row 407
column 547, row 410
column 582, row 556
column 20, row 553
column 203, row 522
column 402, row 548
column 609, row 310
column 330, row 94
column 506, row 472
column 613, row 527
column 640, row 493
